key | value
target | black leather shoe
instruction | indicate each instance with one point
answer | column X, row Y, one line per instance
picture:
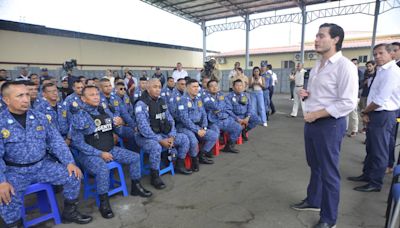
column 324, row 225
column 156, row 180
column 138, row 190
column 367, row 188
column 180, row 167
column 105, row 208
column 244, row 136
column 304, row 206
column 71, row 214
column 360, row 178
column 230, row 147
column 195, row 164
column 209, row 154
column 203, row 159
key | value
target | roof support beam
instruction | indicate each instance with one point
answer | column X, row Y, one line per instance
column 303, row 30
column 377, row 7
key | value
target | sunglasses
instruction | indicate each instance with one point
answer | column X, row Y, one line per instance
column 121, row 89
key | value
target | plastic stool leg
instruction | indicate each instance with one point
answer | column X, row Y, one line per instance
column 42, row 201
column 188, row 162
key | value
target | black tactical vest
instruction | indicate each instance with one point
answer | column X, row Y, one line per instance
column 157, row 113
column 102, row 138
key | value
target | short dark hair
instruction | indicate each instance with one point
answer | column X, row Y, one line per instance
column 370, row 62
column 237, row 81
column 211, row 81
column 269, row 66
column 335, row 31
column 169, row 78
column 191, row 81
column 87, row 80
column 143, row 78
column 180, row 79
column 120, row 84
column 394, row 43
column 44, row 88
column 80, row 77
column 3, row 70
column 7, row 85
column 95, row 78
column 88, row 87
column 29, row 83
column 354, row 59
column 76, row 82
column 240, row 69
column 30, row 76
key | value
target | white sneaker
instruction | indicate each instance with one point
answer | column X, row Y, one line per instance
column 265, row 124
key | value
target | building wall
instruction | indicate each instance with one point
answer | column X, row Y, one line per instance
column 276, row 59
column 28, row 47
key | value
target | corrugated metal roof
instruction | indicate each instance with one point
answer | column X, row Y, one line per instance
column 207, row 10
column 350, row 43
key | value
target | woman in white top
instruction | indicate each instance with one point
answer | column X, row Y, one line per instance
column 256, row 86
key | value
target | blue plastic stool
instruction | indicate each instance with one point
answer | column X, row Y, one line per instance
column 145, row 168
column 46, row 202
column 89, row 189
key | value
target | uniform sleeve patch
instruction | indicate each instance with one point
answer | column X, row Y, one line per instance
column 206, row 99
column 181, row 107
column 138, row 109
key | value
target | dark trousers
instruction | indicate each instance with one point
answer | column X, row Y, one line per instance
column 271, row 104
column 392, row 143
column 379, row 130
column 323, row 139
column 292, row 85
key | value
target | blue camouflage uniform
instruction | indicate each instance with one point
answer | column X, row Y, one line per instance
column 114, row 105
column 241, row 107
column 166, row 93
column 126, row 104
column 191, row 118
column 148, row 140
column 57, row 117
column 3, row 105
column 83, row 126
column 174, row 98
column 219, row 112
column 136, row 94
column 24, row 159
column 72, row 101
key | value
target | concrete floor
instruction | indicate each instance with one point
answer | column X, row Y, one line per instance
column 250, row 189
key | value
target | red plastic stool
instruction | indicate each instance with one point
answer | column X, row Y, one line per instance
column 239, row 141
column 188, row 162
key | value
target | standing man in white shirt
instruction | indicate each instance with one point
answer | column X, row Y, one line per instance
column 380, row 116
column 299, row 83
column 24, row 75
column 274, row 81
column 179, row 72
column 330, row 96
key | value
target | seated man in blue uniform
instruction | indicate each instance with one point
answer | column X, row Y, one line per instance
column 176, row 96
column 157, row 131
column 139, row 90
column 93, row 136
column 166, row 92
column 126, row 104
column 73, row 99
column 219, row 113
column 241, row 107
column 25, row 136
column 55, row 112
column 192, row 121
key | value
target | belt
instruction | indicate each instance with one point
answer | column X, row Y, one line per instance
column 9, row 163
column 299, row 85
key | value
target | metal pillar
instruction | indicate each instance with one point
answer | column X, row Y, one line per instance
column 247, row 23
column 377, row 7
column 203, row 27
column 303, row 30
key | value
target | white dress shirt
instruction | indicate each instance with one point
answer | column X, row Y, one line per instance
column 385, row 89
column 333, row 87
column 179, row 74
column 299, row 77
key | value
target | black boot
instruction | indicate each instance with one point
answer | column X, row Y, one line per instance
column 209, row 154
column 138, row 190
column 71, row 214
column 195, row 164
column 244, row 135
column 180, row 167
column 105, row 208
column 203, row 159
column 16, row 224
column 230, row 147
column 156, row 180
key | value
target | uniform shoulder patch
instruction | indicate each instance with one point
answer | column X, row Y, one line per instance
column 116, row 103
column 127, row 100
column 48, row 116
column 75, row 104
column 221, row 98
column 64, row 113
column 181, row 107
column 178, row 98
column 104, row 105
column 138, row 109
column 206, row 99
column 200, row 104
column 189, row 104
